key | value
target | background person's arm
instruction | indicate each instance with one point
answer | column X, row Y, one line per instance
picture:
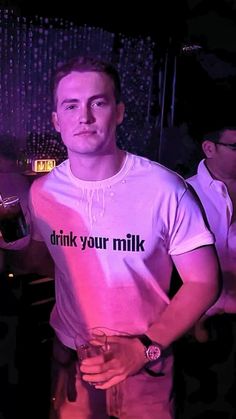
column 16, row 245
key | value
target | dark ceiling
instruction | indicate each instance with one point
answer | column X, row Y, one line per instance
column 135, row 20
column 211, row 22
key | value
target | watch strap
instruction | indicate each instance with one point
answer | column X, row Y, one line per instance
column 153, row 373
column 145, row 340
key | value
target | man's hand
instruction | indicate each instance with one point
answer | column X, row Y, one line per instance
column 199, row 331
column 124, row 356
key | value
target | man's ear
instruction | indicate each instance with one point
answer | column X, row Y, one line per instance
column 208, row 148
column 55, row 121
column 120, row 111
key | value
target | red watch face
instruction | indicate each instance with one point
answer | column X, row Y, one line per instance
column 153, row 352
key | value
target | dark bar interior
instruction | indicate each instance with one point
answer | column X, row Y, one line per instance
column 178, row 81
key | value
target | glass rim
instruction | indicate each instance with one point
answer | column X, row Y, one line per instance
column 10, row 199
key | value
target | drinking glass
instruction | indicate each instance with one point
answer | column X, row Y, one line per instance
column 86, row 350
column 13, row 225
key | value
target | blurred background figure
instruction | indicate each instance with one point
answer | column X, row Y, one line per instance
column 26, row 298
column 215, row 345
column 12, row 182
column 215, row 185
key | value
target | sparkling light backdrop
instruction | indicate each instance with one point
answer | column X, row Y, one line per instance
column 31, row 49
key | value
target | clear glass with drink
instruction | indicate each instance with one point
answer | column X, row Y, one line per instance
column 13, row 224
column 85, row 349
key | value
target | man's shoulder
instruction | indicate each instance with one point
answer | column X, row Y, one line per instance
column 47, row 179
column 159, row 171
column 38, row 184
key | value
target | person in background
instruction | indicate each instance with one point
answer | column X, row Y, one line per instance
column 14, row 183
column 215, row 185
column 115, row 225
column 215, row 344
column 19, row 268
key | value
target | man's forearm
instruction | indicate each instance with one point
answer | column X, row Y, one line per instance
column 187, row 306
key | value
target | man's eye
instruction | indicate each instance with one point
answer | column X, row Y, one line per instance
column 98, row 104
column 70, row 107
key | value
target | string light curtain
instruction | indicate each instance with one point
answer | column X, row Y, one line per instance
column 31, row 49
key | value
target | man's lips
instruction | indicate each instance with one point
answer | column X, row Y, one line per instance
column 84, row 133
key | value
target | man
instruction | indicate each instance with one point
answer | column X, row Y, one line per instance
column 18, row 268
column 19, row 259
column 114, row 224
column 12, row 182
column 215, row 185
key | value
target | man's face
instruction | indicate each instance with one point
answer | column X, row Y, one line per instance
column 87, row 114
column 222, row 158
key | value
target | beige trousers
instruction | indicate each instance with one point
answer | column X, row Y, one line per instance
column 139, row 396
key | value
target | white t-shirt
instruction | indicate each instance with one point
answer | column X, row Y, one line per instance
column 218, row 206
column 112, row 242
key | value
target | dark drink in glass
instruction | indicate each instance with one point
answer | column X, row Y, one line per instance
column 13, row 225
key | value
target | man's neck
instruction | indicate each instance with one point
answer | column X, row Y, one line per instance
column 218, row 174
column 230, row 182
column 95, row 168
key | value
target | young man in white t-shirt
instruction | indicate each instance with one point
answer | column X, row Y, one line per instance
column 115, row 224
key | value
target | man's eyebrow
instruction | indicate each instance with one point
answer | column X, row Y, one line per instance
column 65, row 101
column 73, row 100
column 99, row 96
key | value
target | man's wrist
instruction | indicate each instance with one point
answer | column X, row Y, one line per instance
column 152, row 352
column 152, row 349
column 142, row 350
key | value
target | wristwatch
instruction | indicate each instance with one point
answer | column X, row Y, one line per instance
column 153, row 350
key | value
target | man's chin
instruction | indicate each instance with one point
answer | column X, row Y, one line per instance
column 87, row 151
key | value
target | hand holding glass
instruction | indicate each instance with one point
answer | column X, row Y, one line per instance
column 13, row 225
column 87, row 350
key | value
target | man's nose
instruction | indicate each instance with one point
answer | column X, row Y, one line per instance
column 85, row 115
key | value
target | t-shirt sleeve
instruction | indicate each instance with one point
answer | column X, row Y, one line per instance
column 189, row 229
